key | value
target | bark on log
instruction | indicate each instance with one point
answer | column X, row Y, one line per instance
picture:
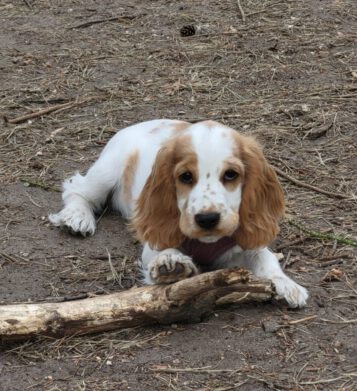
column 185, row 301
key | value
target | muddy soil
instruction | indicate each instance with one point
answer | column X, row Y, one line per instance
column 284, row 72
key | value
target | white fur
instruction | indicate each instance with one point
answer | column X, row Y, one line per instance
column 85, row 195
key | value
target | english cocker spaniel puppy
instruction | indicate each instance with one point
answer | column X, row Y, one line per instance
column 197, row 195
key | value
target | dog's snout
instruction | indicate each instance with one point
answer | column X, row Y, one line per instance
column 207, row 220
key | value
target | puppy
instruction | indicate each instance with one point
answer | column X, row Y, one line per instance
column 197, row 195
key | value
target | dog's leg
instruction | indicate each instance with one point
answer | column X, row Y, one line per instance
column 265, row 264
column 82, row 195
column 167, row 266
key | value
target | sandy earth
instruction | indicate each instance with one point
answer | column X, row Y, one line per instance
column 286, row 75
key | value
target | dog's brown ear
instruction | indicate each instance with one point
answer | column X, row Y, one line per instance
column 156, row 218
column 262, row 199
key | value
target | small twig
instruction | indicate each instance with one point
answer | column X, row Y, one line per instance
column 40, row 113
column 29, row 5
column 311, row 187
column 61, row 299
column 290, row 244
column 265, row 9
column 335, row 256
column 322, row 235
column 232, row 387
column 192, row 370
column 115, row 274
column 35, row 203
column 12, row 259
column 98, row 21
column 345, row 321
column 286, row 261
column 42, row 185
column 321, row 381
column 328, row 263
column 102, row 214
column 302, row 319
column 241, row 11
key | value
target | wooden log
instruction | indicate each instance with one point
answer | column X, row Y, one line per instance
column 185, row 301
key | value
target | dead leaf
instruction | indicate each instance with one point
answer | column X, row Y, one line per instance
column 335, row 274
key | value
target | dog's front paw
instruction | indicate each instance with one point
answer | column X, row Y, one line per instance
column 170, row 267
column 77, row 220
column 293, row 293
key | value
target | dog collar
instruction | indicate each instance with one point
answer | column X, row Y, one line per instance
column 204, row 254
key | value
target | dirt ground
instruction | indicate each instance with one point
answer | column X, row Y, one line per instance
column 284, row 71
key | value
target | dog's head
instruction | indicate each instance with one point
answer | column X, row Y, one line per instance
column 209, row 182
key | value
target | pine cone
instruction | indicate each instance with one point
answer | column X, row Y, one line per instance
column 188, row 31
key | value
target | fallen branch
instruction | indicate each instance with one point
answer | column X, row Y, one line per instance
column 311, row 187
column 47, row 110
column 185, row 301
column 39, row 113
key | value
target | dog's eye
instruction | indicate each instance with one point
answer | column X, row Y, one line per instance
column 230, row 175
column 186, row 177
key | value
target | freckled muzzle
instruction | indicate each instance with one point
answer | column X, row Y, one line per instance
column 209, row 224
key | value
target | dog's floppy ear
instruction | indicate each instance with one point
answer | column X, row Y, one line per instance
column 156, row 218
column 263, row 198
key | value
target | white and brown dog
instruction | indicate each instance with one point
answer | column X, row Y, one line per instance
column 196, row 195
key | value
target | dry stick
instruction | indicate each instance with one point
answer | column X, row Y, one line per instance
column 188, row 300
column 40, row 113
column 322, row 381
column 42, row 185
column 346, row 321
column 290, row 244
column 265, row 9
column 192, row 370
column 28, row 4
column 308, row 186
column 296, row 321
column 334, row 257
column 242, row 14
column 98, row 21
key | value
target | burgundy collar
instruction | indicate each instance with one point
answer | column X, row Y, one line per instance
column 204, row 254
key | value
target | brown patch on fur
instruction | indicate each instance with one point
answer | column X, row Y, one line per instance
column 129, row 175
column 178, row 127
column 156, row 219
column 155, row 129
column 181, row 126
column 210, row 124
column 262, row 199
column 214, row 124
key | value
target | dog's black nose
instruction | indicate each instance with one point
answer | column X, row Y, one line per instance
column 207, row 220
